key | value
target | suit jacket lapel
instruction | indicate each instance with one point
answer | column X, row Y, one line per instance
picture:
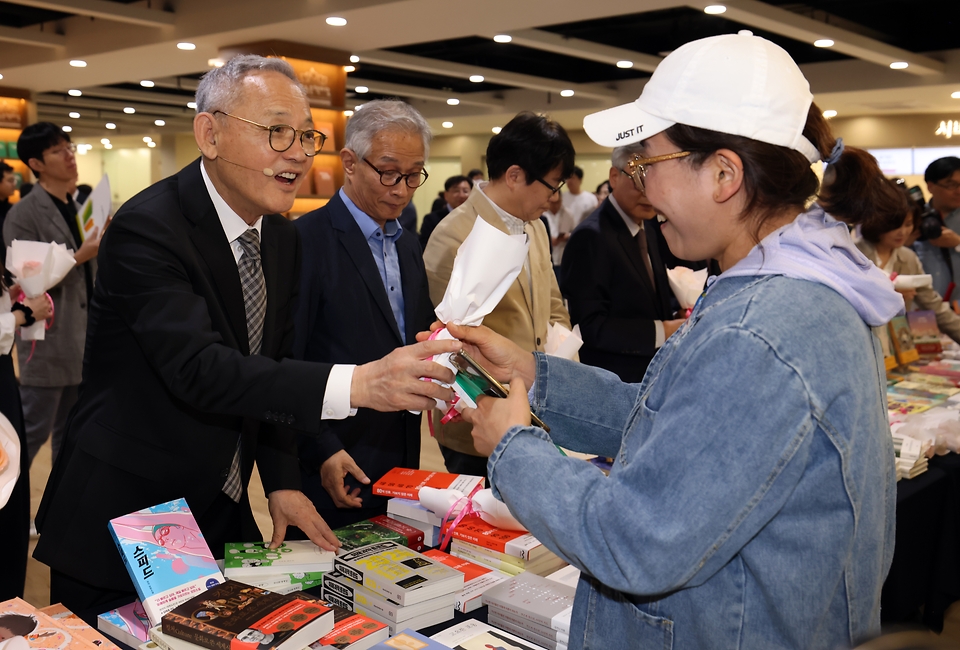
column 269, row 257
column 208, row 236
column 659, row 270
column 490, row 215
column 59, row 222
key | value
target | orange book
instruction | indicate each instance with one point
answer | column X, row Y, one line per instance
column 75, row 625
column 509, row 542
column 406, row 483
column 476, row 579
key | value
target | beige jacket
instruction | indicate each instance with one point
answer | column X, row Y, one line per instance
column 520, row 316
column 904, row 261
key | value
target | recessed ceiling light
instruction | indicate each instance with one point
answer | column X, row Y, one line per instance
column 74, row 93
column 361, row 89
column 110, row 125
column 348, row 113
column 453, row 101
column 129, row 110
column 151, row 144
column 77, row 63
column 75, row 115
column 899, row 65
column 147, row 138
column 829, row 113
column 955, row 95
column 186, row 46
column 358, row 107
column 159, row 122
column 349, row 68
column 108, row 146
column 66, row 128
column 566, row 93
column 1, row 76
column 714, row 10
column 146, row 83
column 215, row 63
column 476, row 78
column 496, row 129
column 354, row 58
column 336, row 21
column 823, row 42
column 192, row 105
column 447, row 125
column 104, row 140
column 624, row 64
column 502, row 38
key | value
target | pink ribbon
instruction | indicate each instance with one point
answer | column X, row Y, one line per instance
column 33, row 346
column 447, row 528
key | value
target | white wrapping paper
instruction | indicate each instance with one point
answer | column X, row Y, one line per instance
column 912, row 281
column 37, row 267
column 687, row 284
column 562, row 342
column 490, row 509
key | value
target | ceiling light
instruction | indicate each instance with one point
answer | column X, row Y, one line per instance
column 159, row 122
column 823, row 42
column 453, row 101
column 108, row 146
column 192, row 105
column 77, row 63
column 624, row 64
column 496, row 129
column 215, row 63
column 129, row 110
column 899, row 65
column 955, row 95
column 358, row 107
column 74, row 93
column 502, row 38
column 714, row 10
column 186, row 46
column 147, row 138
column 66, row 128
column 151, row 144
column 348, row 113
column 829, row 113
column 349, row 68
column 566, row 93
column 110, row 125
column 476, row 78
column 336, row 21
column 361, row 89
column 1, row 76
column 354, row 58
column 104, row 140
column 146, row 83
column 75, row 115
column 447, row 125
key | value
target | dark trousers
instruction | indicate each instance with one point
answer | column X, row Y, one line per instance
column 460, row 463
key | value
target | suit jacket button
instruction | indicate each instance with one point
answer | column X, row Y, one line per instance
column 224, row 472
column 538, row 340
column 291, row 419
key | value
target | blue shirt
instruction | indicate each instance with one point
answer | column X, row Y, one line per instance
column 383, row 245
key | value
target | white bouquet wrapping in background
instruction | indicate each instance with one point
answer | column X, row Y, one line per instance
column 38, row 267
column 562, row 342
column 687, row 285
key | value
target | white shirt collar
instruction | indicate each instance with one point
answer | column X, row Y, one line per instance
column 632, row 225
column 514, row 225
column 233, row 225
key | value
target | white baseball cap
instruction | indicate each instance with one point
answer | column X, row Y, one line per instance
column 739, row 84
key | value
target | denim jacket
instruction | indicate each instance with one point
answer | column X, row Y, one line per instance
column 752, row 498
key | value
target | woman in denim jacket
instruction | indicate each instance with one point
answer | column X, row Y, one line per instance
column 752, row 497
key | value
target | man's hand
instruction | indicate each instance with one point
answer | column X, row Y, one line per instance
column 671, row 326
column 394, row 382
column 947, row 239
column 91, row 245
column 500, row 356
column 332, row 473
column 493, row 416
column 293, row 508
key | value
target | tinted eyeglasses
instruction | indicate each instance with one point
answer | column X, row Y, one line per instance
column 637, row 167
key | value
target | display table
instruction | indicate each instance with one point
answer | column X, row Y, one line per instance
column 926, row 561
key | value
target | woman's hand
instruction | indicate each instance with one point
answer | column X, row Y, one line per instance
column 908, row 296
column 493, row 416
column 500, row 356
column 42, row 307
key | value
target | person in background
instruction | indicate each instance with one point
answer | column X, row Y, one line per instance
column 50, row 372
column 938, row 255
column 885, row 242
column 25, row 189
column 8, row 187
column 475, row 175
column 560, row 224
column 603, row 191
column 528, row 161
column 456, row 189
column 577, row 202
column 82, row 192
column 408, row 218
column 354, row 246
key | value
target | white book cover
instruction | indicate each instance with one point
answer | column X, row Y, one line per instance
column 412, row 509
column 96, row 209
column 474, row 634
column 536, row 599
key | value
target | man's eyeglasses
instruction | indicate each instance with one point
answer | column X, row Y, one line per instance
column 59, row 151
column 282, row 136
column 553, row 190
column 952, row 186
column 391, row 178
column 637, row 167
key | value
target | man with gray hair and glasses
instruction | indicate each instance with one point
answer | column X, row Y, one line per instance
column 363, row 293
column 188, row 378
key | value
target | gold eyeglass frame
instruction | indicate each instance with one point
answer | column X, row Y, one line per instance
column 637, row 167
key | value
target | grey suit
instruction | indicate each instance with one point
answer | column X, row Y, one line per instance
column 50, row 378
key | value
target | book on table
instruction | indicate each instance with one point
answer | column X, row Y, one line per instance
column 67, row 620
column 406, row 483
column 431, row 534
column 337, row 585
column 128, row 624
column 166, row 556
column 236, row 616
column 534, row 599
column 287, row 583
column 411, row 509
column 515, row 543
column 39, row 631
column 408, row 639
column 252, row 560
column 351, row 631
column 378, row 529
column 476, row 635
column 509, row 564
column 476, row 579
column 555, row 641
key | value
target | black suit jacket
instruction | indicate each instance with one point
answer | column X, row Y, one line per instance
column 430, row 222
column 168, row 386
column 610, row 296
column 344, row 316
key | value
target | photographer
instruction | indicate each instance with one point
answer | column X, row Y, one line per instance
column 938, row 253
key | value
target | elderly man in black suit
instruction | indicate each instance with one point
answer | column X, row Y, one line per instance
column 187, row 378
column 614, row 277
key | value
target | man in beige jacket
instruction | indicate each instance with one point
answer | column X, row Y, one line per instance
column 527, row 162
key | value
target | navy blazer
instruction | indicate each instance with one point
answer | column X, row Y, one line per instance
column 344, row 316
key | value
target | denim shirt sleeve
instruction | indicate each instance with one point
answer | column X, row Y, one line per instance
column 708, row 457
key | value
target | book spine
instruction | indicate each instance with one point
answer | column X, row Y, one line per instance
column 485, row 556
column 413, row 535
column 131, row 572
column 522, row 632
column 523, row 614
column 178, row 629
column 542, row 630
column 336, row 599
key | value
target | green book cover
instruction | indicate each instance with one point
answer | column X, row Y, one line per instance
column 255, row 559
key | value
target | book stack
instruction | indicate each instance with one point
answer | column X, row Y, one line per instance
column 901, row 339
column 411, row 513
column 534, row 608
column 476, row 579
column 926, row 334
column 128, row 624
column 911, row 456
column 474, row 634
column 53, row 627
column 509, row 551
column 295, row 565
column 394, row 577
column 378, row 529
column 406, row 483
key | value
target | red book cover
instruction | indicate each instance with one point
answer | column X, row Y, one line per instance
column 413, row 535
column 406, row 483
column 477, row 531
column 348, row 628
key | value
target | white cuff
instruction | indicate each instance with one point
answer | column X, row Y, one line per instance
column 8, row 325
column 661, row 339
column 336, row 397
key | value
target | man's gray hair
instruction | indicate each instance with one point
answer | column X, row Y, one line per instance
column 219, row 88
column 383, row 115
column 622, row 154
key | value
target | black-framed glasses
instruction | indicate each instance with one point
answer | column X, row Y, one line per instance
column 637, row 167
column 282, row 136
column 553, row 190
column 391, row 178
column 951, row 186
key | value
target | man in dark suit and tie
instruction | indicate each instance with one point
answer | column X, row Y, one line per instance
column 614, row 277
column 187, row 380
column 456, row 189
column 363, row 293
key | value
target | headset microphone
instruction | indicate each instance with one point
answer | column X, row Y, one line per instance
column 266, row 170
